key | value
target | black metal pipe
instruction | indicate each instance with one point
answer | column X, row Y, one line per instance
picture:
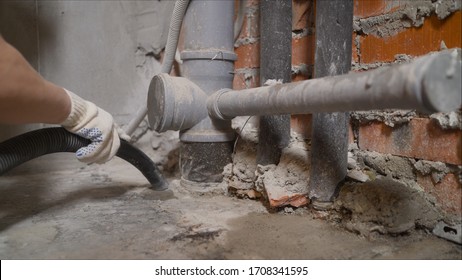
column 329, row 142
column 275, row 63
column 30, row 145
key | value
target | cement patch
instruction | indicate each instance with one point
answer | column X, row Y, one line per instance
column 385, row 206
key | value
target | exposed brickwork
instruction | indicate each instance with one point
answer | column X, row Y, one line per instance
column 413, row 41
column 248, row 56
column 303, row 39
column 420, row 138
column 389, row 28
column 247, row 48
column 250, row 27
column 279, row 200
column 302, row 57
column 448, row 192
column 246, row 78
column 351, row 134
column 302, row 14
column 369, row 8
column 301, row 124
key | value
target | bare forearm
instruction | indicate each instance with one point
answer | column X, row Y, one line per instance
column 25, row 97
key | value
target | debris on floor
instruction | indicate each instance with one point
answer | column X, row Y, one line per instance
column 386, row 206
column 450, row 232
column 56, row 208
column 286, row 183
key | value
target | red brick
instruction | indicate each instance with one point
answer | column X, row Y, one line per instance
column 354, row 51
column 299, row 77
column 420, row 138
column 250, row 26
column 302, row 14
column 413, row 41
column 303, row 50
column 448, row 192
column 302, row 53
column 351, row 135
column 253, row 3
column 369, row 8
column 248, row 56
column 295, row 200
column 302, row 124
column 242, row 81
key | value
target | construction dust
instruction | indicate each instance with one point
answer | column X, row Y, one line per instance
column 67, row 210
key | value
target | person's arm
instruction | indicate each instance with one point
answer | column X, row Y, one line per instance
column 26, row 97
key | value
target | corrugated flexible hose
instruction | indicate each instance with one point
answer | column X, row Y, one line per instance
column 30, row 145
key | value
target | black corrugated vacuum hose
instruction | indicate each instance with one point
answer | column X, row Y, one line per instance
column 28, row 146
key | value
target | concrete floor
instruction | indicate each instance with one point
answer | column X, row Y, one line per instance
column 54, row 207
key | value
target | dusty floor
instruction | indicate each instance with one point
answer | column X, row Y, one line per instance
column 57, row 208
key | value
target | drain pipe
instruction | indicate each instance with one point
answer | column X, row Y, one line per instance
column 275, row 63
column 201, row 106
column 430, row 84
column 329, row 137
column 208, row 62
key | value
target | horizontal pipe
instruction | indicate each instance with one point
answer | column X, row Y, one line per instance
column 429, row 84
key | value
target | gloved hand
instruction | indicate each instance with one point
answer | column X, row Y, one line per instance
column 91, row 122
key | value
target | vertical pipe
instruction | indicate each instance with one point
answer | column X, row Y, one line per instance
column 208, row 61
column 329, row 144
column 275, row 63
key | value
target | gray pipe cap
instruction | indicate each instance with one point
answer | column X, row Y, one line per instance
column 174, row 103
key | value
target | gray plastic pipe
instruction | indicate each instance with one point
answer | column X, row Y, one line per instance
column 170, row 49
column 208, row 62
column 430, row 84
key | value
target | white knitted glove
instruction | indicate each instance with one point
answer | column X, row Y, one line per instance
column 91, row 122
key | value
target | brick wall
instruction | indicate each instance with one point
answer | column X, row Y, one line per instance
column 388, row 32
column 385, row 32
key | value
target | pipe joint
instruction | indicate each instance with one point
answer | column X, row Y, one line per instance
column 176, row 103
column 212, row 105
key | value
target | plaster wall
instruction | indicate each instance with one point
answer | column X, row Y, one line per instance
column 104, row 51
